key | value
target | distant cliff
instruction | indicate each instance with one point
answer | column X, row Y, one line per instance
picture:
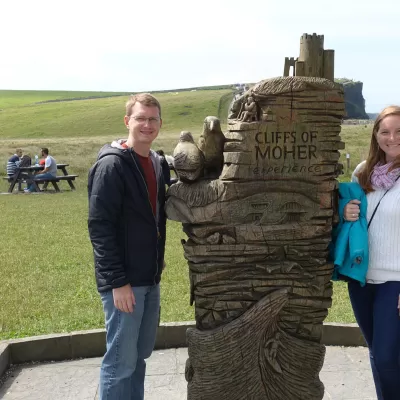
column 354, row 100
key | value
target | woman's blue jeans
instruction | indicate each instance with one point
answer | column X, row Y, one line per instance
column 130, row 340
column 375, row 309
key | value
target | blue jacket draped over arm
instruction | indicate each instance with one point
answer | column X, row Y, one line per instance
column 350, row 239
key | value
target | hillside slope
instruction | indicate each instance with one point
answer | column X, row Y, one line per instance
column 58, row 114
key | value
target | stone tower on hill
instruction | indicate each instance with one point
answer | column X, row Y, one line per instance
column 313, row 60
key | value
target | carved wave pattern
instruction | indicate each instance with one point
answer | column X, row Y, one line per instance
column 253, row 356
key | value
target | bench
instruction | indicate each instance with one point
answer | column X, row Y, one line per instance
column 68, row 178
column 29, row 173
column 53, row 181
column 9, row 179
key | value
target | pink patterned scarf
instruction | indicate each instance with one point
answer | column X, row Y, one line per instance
column 381, row 178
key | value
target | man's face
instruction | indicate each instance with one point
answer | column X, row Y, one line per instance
column 144, row 123
column 19, row 153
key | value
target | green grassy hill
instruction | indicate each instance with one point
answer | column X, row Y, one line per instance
column 74, row 125
column 18, row 98
column 51, row 114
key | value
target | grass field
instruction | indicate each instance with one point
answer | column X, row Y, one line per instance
column 46, row 257
column 28, row 98
column 101, row 116
column 47, row 268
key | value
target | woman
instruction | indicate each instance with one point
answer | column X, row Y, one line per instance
column 376, row 305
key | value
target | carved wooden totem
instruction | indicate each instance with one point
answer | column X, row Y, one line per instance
column 257, row 245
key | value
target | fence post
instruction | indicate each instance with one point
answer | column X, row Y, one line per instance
column 347, row 161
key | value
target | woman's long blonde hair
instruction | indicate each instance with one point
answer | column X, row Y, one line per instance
column 376, row 154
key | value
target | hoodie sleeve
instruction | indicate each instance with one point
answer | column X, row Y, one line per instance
column 106, row 189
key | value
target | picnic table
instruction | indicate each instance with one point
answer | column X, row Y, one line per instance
column 27, row 174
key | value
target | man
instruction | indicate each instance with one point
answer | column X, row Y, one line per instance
column 127, row 230
column 50, row 166
column 13, row 163
column 49, row 171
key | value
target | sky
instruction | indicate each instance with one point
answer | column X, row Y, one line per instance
column 120, row 45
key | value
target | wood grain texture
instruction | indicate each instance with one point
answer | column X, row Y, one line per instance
column 257, row 246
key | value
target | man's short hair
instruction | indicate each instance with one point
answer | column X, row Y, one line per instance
column 143, row 98
column 45, row 150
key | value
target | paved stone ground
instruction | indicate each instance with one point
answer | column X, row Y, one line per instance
column 346, row 375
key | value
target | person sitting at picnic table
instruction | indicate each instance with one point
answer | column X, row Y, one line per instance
column 13, row 163
column 49, row 171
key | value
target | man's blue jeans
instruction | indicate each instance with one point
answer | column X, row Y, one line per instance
column 46, row 175
column 130, row 340
column 375, row 309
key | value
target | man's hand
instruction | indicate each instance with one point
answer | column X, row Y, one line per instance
column 124, row 299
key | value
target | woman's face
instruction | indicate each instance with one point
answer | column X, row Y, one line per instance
column 388, row 137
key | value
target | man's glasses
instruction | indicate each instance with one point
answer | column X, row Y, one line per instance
column 142, row 120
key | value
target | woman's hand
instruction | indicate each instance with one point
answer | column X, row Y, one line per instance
column 352, row 210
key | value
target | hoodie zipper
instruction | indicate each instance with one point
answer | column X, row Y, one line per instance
column 151, row 208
